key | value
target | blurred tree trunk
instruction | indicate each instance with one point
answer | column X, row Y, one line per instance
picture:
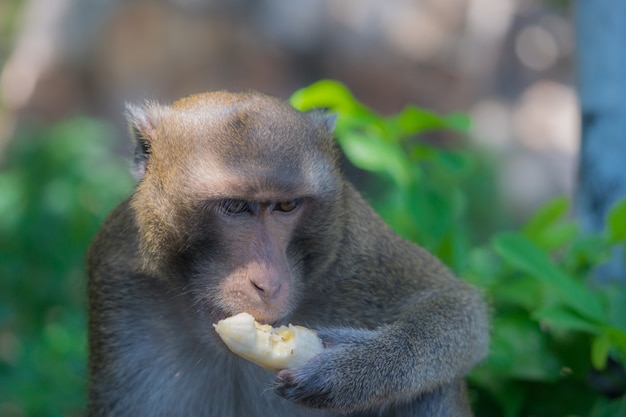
column 601, row 65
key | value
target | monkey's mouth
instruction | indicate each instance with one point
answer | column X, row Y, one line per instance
column 222, row 315
column 262, row 318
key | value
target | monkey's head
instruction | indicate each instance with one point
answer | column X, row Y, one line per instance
column 234, row 199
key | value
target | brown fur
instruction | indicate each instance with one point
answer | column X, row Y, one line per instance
column 400, row 330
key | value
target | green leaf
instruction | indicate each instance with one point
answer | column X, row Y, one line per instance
column 523, row 254
column 605, row 407
column 12, row 190
column 519, row 349
column 523, row 291
column 460, row 122
column 616, row 222
column 587, row 250
column 509, row 394
column 617, row 338
column 421, row 153
column 414, row 120
column 434, row 213
column 616, row 295
column 454, row 163
column 546, row 216
column 557, row 236
column 482, row 268
column 373, row 154
column 327, row 94
column 600, row 347
column 565, row 318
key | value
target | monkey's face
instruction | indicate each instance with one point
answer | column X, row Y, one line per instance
column 258, row 267
column 234, row 201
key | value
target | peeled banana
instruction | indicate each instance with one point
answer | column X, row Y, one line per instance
column 272, row 348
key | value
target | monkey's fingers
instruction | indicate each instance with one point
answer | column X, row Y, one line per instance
column 273, row 348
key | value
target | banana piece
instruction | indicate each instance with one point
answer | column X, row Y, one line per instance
column 272, row 348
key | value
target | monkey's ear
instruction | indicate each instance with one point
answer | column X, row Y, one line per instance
column 142, row 126
column 321, row 118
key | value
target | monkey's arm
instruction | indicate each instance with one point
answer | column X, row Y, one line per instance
column 429, row 348
column 402, row 328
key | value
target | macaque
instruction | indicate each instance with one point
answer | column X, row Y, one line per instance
column 241, row 207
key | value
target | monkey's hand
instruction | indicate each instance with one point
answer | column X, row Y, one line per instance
column 362, row 369
column 339, row 378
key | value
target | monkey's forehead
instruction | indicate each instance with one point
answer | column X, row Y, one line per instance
column 261, row 132
column 238, row 110
column 245, row 167
column 243, row 141
column 265, row 122
column 224, row 99
column 250, row 177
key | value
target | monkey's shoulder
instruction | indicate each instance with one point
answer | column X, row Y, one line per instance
column 116, row 241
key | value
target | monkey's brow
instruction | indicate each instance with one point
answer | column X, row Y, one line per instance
column 258, row 194
column 216, row 200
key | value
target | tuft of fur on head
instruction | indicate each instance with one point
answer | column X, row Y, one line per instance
column 321, row 118
column 142, row 126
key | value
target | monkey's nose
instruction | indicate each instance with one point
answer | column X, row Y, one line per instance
column 266, row 289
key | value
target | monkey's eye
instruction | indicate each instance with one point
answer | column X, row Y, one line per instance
column 287, row 206
column 234, row 207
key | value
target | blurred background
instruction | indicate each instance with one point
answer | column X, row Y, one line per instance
column 505, row 62
column 67, row 68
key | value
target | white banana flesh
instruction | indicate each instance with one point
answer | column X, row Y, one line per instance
column 272, row 348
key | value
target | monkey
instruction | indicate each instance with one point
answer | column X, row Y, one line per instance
column 241, row 206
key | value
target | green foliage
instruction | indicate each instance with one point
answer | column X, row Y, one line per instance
column 558, row 342
column 55, row 189
column 425, row 191
column 541, row 282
